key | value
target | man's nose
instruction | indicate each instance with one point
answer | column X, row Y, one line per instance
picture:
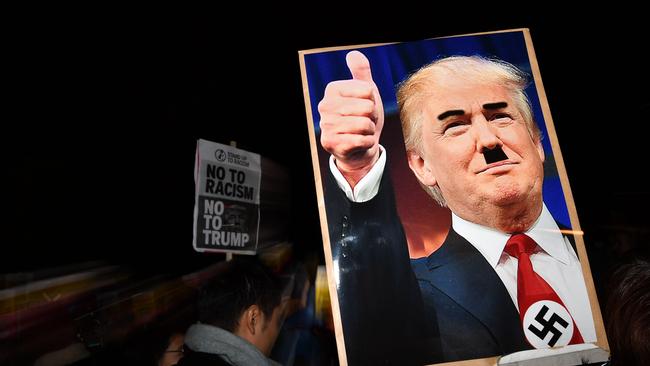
column 485, row 134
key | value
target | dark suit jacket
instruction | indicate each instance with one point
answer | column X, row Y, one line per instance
column 379, row 298
column 474, row 313
column 467, row 311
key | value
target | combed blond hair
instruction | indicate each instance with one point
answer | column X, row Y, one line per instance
column 413, row 91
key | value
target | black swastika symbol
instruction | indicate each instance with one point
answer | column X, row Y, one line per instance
column 548, row 326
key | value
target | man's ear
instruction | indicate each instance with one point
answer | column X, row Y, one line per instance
column 420, row 169
column 540, row 149
column 252, row 319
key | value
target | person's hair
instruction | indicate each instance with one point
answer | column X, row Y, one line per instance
column 243, row 283
column 628, row 314
column 413, row 92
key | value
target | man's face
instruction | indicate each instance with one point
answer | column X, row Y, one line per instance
column 174, row 351
column 463, row 119
column 270, row 329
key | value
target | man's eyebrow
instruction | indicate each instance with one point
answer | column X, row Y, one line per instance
column 497, row 105
column 453, row 112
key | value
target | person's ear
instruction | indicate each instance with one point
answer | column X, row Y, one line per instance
column 540, row 149
column 252, row 319
column 421, row 169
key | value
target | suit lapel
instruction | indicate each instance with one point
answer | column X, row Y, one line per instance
column 461, row 272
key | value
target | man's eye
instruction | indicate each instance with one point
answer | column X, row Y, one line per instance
column 500, row 116
column 453, row 125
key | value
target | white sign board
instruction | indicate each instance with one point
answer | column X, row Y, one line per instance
column 227, row 199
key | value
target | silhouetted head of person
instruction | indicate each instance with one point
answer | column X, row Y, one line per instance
column 246, row 300
column 628, row 314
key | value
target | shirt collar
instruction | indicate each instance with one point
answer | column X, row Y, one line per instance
column 490, row 242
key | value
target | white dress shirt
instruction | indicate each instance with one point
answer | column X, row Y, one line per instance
column 554, row 259
column 368, row 186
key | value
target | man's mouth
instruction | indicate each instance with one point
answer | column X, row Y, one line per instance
column 495, row 165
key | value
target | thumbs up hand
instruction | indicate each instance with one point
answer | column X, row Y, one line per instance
column 352, row 116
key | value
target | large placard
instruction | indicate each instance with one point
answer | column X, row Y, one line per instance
column 450, row 232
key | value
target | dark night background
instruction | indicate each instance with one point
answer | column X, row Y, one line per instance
column 98, row 149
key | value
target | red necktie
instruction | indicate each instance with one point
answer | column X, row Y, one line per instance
column 541, row 310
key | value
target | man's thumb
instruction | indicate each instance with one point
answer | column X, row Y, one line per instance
column 359, row 66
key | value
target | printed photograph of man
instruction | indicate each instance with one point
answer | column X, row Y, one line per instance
column 506, row 277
